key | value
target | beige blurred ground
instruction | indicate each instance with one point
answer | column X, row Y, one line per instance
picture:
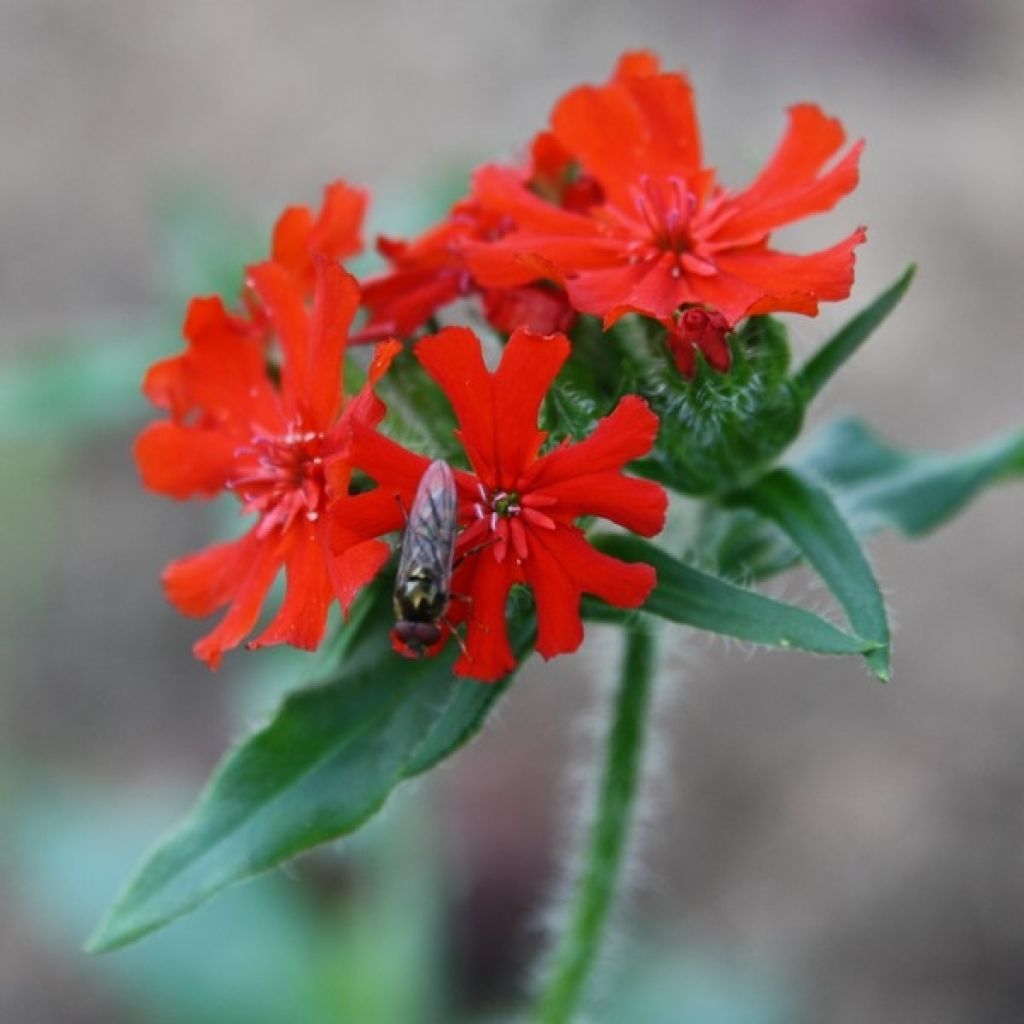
column 866, row 842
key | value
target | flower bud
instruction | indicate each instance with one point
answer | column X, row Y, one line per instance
column 728, row 414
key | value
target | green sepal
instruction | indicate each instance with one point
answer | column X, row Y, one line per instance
column 823, row 365
column 690, row 597
column 720, row 431
column 325, row 763
column 808, row 516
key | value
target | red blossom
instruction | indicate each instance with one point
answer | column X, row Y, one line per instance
column 520, row 506
column 429, row 272
column 667, row 234
column 277, row 446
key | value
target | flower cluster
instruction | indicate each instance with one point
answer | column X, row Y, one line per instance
column 612, row 212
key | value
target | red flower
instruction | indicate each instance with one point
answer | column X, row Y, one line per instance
column 521, row 506
column 431, row 271
column 666, row 234
column 279, row 448
column 428, row 273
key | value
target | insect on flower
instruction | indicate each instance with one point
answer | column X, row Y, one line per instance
column 423, row 583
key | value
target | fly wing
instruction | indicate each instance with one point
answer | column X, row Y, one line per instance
column 429, row 540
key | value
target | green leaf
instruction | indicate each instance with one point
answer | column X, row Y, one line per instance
column 875, row 485
column 820, row 368
column 879, row 486
column 694, row 598
column 806, row 513
column 326, row 762
column 743, row 545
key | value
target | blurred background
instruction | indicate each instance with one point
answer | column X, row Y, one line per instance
column 818, row 847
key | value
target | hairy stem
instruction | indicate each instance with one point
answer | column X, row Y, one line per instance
column 605, row 839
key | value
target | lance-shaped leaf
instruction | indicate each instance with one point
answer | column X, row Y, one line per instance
column 326, row 762
column 694, row 598
column 806, row 513
column 875, row 485
column 822, row 366
column 879, row 486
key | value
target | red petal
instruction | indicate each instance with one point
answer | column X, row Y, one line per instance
column 671, row 129
column 335, row 233
column 429, row 272
column 302, row 617
column 488, row 654
column 335, row 301
column 662, row 289
column 561, row 567
column 355, row 518
column 600, row 126
column 354, row 568
column 636, row 64
column 366, row 406
column 290, row 245
column 282, row 298
column 239, row 575
column 383, row 356
column 529, row 364
column 200, row 583
column 794, row 283
column 501, row 190
column 222, row 374
column 392, row 466
column 538, row 309
column 635, row 126
column 551, row 165
column 638, row 505
column 620, row 584
column 726, row 292
column 649, row 287
column 524, row 257
column 792, row 185
column 166, row 385
column 557, row 593
column 627, row 433
column 453, row 358
column 184, row 461
column 245, row 606
column 406, row 299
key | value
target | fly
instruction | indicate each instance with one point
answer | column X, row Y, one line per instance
column 423, row 583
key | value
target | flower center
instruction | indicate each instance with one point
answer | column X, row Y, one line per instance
column 506, row 515
column 280, row 478
column 666, row 206
column 506, row 504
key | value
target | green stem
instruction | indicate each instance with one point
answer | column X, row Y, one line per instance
column 606, row 839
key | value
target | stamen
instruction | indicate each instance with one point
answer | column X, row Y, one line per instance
column 509, row 515
column 666, row 207
column 280, row 478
